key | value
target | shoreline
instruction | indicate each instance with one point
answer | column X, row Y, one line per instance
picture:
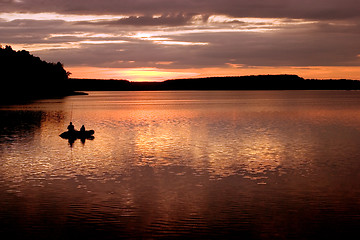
column 259, row 82
column 79, row 87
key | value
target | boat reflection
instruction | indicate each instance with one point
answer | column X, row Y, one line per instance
column 72, row 136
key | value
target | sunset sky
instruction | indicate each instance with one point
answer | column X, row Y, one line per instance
column 153, row 40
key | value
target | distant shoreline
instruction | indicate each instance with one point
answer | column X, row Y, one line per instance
column 243, row 83
column 258, row 82
column 25, row 78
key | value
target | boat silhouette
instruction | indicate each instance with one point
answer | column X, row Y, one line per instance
column 73, row 135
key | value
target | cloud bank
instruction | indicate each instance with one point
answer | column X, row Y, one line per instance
column 305, row 9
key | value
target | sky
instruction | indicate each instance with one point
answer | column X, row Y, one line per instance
column 155, row 40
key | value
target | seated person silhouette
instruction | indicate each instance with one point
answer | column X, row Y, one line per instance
column 71, row 127
column 82, row 129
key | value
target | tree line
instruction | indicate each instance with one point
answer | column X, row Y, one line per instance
column 258, row 82
column 24, row 76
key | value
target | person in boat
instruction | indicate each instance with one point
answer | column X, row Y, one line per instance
column 71, row 127
column 82, row 129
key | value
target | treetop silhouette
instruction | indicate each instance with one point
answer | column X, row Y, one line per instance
column 24, row 76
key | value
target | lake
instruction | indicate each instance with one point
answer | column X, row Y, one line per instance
column 183, row 164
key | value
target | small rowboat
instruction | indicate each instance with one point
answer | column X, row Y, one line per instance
column 78, row 134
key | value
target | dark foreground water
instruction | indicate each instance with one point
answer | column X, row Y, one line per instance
column 200, row 165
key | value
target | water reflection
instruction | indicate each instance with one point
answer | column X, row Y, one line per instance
column 71, row 141
column 184, row 164
column 217, row 139
column 72, row 135
column 15, row 125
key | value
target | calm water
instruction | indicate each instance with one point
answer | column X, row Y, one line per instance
column 201, row 165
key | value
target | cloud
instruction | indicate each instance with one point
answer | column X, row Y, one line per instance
column 256, row 42
column 305, row 9
column 304, row 46
column 163, row 20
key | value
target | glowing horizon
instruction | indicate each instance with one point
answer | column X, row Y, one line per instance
column 158, row 75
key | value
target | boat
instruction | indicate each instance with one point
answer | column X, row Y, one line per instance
column 78, row 134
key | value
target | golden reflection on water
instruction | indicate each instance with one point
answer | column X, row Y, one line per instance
column 169, row 163
column 220, row 138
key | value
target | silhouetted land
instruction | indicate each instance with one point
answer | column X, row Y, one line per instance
column 260, row 82
column 25, row 77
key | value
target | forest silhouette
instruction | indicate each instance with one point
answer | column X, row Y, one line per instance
column 24, row 76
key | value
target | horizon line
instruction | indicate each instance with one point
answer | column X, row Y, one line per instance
column 194, row 78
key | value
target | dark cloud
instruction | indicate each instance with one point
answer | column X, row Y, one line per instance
column 163, row 20
column 304, row 45
column 288, row 47
column 29, row 31
column 306, row 9
column 172, row 20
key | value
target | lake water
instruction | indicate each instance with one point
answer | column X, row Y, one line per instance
column 183, row 164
